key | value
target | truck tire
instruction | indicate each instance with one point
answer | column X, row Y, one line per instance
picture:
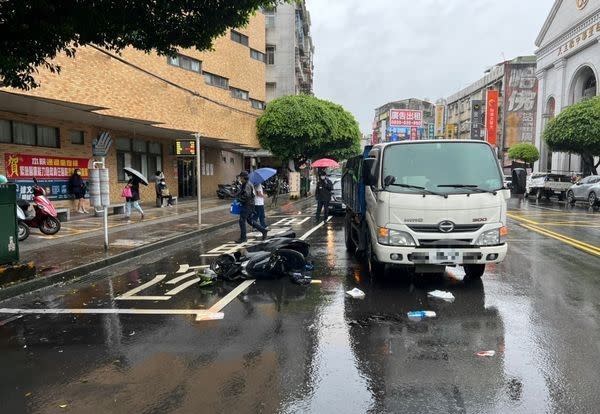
column 376, row 268
column 350, row 245
column 474, row 271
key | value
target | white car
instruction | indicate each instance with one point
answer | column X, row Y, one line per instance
column 588, row 189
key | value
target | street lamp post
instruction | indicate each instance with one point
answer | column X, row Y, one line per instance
column 198, row 178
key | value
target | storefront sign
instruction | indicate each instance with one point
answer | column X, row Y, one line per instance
column 439, row 120
column 55, row 189
column 408, row 118
column 431, row 131
column 404, row 133
column 185, row 147
column 579, row 39
column 476, row 119
column 520, row 104
column 491, row 116
column 22, row 166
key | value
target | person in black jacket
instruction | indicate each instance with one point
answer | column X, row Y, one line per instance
column 323, row 196
column 77, row 188
column 246, row 199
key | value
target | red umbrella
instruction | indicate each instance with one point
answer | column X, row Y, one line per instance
column 325, row 163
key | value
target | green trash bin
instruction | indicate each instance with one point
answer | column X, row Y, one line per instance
column 9, row 243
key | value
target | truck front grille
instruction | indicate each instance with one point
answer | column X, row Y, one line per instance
column 445, row 243
column 433, row 228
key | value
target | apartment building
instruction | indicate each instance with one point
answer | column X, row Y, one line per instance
column 289, row 50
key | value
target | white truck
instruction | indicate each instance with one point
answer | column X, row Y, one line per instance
column 426, row 205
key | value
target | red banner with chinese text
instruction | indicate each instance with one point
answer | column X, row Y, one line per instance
column 491, row 116
column 19, row 166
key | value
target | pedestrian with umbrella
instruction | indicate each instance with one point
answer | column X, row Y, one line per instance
column 246, row 199
column 132, row 196
column 258, row 177
column 324, row 186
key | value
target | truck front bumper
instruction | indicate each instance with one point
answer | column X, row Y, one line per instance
column 439, row 256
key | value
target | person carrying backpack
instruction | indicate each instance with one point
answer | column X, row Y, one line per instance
column 163, row 192
column 246, row 199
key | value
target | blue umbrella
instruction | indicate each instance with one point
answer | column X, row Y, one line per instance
column 261, row 175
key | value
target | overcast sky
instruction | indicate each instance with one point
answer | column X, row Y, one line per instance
column 370, row 52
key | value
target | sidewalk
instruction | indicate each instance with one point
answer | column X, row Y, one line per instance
column 79, row 246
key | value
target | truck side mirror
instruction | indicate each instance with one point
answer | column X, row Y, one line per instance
column 519, row 180
column 369, row 171
column 389, row 180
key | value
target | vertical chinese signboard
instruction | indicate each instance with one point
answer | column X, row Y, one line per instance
column 405, row 124
column 491, row 116
column 520, row 103
column 476, row 119
column 439, row 120
column 52, row 173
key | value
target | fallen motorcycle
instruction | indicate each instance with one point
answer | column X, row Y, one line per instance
column 273, row 259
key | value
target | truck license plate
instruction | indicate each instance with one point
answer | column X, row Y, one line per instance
column 445, row 256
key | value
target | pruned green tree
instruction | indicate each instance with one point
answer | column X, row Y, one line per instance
column 302, row 127
column 577, row 130
column 526, row 152
column 33, row 32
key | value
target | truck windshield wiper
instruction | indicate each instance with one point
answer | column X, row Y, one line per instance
column 422, row 189
column 471, row 187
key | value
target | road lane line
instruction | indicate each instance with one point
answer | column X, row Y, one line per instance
column 519, row 218
column 228, row 298
column 9, row 320
column 311, row 231
column 180, row 278
column 206, row 314
column 183, row 286
column 578, row 245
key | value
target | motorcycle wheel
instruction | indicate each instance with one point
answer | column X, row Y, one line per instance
column 50, row 226
column 23, row 231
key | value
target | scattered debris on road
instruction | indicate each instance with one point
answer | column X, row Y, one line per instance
column 356, row 293
column 418, row 315
column 486, row 353
column 440, row 294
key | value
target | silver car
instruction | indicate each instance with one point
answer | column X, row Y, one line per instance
column 588, row 189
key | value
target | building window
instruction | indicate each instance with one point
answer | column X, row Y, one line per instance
column 146, row 157
column 239, row 94
column 77, row 137
column 270, row 16
column 257, row 104
column 186, row 63
column 255, row 54
column 270, row 55
column 216, row 80
column 22, row 133
column 239, row 38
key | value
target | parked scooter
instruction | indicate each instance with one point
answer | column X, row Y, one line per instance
column 44, row 216
column 228, row 190
column 22, row 228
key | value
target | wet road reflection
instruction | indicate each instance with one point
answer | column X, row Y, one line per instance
column 298, row 349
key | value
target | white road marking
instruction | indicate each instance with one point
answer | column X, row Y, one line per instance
column 130, row 295
column 185, row 267
column 180, row 278
column 206, row 314
column 183, row 286
column 311, row 231
column 9, row 320
column 230, row 296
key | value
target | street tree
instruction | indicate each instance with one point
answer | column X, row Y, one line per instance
column 302, row 127
column 526, row 152
column 577, row 130
column 32, row 33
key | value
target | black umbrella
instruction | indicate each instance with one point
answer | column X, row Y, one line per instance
column 137, row 174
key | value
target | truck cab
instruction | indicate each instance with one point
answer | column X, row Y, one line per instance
column 427, row 205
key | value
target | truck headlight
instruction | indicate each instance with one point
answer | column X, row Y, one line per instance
column 394, row 237
column 492, row 237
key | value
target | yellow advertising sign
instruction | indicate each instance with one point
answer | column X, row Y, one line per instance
column 439, row 120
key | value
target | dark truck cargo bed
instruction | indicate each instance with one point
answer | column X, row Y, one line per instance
column 353, row 188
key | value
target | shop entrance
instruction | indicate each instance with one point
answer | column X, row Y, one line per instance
column 186, row 172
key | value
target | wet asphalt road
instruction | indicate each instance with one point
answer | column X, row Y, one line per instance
column 296, row 349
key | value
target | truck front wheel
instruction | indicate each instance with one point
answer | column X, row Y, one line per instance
column 376, row 268
column 474, row 271
column 350, row 245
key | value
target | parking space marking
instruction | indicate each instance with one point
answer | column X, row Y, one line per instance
column 131, row 295
column 183, row 286
column 201, row 314
column 183, row 268
column 228, row 298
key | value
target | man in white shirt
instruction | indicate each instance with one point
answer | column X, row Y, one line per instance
column 259, row 204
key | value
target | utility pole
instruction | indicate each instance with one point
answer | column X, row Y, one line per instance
column 198, row 178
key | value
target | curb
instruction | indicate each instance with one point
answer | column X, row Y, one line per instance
column 74, row 273
column 80, row 271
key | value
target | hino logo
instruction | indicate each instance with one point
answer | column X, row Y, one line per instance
column 446, row 226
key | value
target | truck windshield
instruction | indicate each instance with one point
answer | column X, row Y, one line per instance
column 451, row 167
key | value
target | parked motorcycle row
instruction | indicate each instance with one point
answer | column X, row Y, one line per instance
column 230, row 191
column 43, row 215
